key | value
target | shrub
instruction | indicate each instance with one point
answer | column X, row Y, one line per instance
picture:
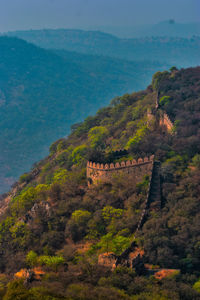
column 60, row 176
column 31, row 258
column 116, row 244
column 50, row 261
column 97, row 136
column 196, row 286
column 163, row 101
column 79, row 154
column 196, row 161
column 26, row 177
column 16, row 290
column 139, row 135
column 81, row 217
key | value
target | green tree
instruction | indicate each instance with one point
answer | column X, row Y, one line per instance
column 109, row 212
column 18, row 229
column 97, row 136
column 81, row 217
column 24, row 201
column 51, row 261
column 173, row 68
column 196, row 161
column 119, row 244
column 157, row 77
column 106, row 243
column 31, row 258
column 196, row 286
column 116, row 244
column 79, row 154
column 139, row 135
column 163, row 101
column 60, row 176
column 17, row 291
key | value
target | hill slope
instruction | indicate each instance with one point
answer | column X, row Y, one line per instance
column 42, row 94
column 55, row 221
column 181, row 52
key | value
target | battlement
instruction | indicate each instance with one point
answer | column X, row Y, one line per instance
column 137, row 168
column 118, row 165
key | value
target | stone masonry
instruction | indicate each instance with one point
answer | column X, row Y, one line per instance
column 104, row 172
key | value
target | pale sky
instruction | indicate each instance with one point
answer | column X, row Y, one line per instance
column 35, row 14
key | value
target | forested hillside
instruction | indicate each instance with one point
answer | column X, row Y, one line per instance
column 182, row 52
column 57, row 229
column 42, row 94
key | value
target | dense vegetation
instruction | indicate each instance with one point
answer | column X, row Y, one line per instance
column 42, row 94
column 55, row 222
column 181, row 52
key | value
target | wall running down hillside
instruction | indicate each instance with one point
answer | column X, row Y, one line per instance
column 166, row 122
column 162, row 120
column 99, row 172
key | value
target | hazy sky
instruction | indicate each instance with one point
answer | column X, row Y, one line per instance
column 27, row 14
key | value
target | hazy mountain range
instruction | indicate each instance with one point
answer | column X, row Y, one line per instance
column 42, row 93
column 167, row 28
column 182, row 52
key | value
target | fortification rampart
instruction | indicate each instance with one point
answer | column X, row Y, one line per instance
column 103, row 172
column 165, row 121
column 161, row 119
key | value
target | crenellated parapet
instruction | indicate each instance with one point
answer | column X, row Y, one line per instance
column 118, row 165
column 137, row 168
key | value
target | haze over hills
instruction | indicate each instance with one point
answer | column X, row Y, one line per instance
column 41, row 89
column 43, row 93
column 182, row 52
column 168, row 28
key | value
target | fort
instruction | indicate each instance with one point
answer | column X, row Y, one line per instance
column 132, row 256
column 137, row 169
column 97, row 172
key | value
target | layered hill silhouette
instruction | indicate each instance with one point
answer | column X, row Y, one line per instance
column 168, row 28
column 179, row 51
column 43, row 93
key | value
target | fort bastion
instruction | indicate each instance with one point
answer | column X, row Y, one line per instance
column 97, row 172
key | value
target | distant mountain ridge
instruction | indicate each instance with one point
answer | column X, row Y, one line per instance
column 183, row 52
column 168, row 28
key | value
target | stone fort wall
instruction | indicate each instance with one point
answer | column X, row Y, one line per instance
column 104, row 172
column 162, row 120
column 166, row 122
